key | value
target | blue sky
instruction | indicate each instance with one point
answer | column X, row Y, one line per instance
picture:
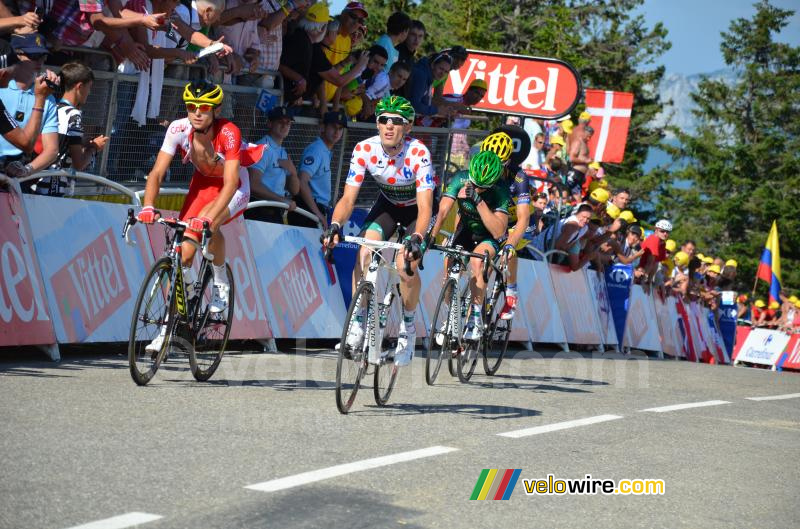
column 694, row 28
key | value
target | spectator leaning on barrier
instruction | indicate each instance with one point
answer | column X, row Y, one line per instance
column 655, row 249
column 397, row 27
column 353, row 94
column 21, row 103
column 475, row 92
column 74, row 151
column 315, row 170
column 407, row 50
column 381, row 85
column 418, row 87
column 274, row 177
column 22, row 138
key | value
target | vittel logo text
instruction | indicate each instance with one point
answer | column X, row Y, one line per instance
column 90, row 287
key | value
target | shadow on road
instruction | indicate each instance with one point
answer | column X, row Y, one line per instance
column 476, row 411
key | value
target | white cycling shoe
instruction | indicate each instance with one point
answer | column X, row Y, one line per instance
column 474, row 330
column 156, row 345
column 406, row 340
column 219, row 298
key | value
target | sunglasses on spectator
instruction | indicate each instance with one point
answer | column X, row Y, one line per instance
column 662, row 231
column 394, row 120
column 203, row 107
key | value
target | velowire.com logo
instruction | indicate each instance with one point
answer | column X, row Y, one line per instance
column 495, row 484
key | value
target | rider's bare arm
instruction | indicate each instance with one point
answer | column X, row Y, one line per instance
column 523, row 219
column 155, row 177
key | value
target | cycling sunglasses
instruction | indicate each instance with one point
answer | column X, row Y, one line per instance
column 202, row 107
column 395, row 120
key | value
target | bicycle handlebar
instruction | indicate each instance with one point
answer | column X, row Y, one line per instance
column 171, row 223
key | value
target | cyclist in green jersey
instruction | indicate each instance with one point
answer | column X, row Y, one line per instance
column 483, row 202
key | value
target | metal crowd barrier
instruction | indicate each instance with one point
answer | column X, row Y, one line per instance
column 285, row 207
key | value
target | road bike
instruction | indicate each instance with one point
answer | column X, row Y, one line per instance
column 378, row 310
column 179, row 313
column 446, row 334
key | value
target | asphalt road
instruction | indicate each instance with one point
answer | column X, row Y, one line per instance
column 82, row 446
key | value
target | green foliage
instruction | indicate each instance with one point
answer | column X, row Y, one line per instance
column 743, row 160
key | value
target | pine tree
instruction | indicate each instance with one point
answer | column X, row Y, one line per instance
column 742, row 162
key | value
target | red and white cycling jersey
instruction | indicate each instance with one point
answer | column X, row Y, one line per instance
column 228, row 145
column 228, row 137
column 399, row 177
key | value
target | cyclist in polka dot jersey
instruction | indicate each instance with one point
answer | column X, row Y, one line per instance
column 402, row 168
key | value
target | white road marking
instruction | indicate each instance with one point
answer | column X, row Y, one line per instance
column 559, row 426
column 776, row 397
column 120, row 522
column 347, row 468
column 675, row 407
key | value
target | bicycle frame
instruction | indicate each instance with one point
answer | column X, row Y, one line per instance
column 379, row 309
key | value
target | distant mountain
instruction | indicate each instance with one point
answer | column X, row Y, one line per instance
column 676, row 88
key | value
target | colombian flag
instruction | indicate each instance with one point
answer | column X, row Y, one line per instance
column 769, row 269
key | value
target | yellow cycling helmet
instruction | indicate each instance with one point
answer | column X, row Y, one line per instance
column 671, row 245
column 499, row 143
column 681, row 259
column 202, row 92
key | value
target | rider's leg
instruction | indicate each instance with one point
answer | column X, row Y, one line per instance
column 477, row 288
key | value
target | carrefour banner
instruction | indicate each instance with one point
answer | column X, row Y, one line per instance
column 302, row 290
column 24, row 315
column 763, row 346
column 91, row 276
column 619, row 278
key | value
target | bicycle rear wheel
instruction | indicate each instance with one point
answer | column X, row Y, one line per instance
column 153, row 316
column 352, row 361
column 440, row 333
column 495, row 338
column 210, row 331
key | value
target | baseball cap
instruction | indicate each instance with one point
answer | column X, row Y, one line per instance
column 714, row 268
column 567, row 125
column 774, row 305
column 279, row 112
column 478, row 83
column 612, row 211
column 356, row 6
column 635, row 228
column 335, row 116
column 599, row 195
column 681, row 258
column 31, row 44
column 594, row 165
column 555, row 139
column 319, row 13
column 7, row 56
column 760, row 303
column 793, row 299
column 627, row 215
column 732, row 263
column 585, row 116
column 671, row 245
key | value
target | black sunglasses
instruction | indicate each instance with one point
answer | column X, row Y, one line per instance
column 395, row 120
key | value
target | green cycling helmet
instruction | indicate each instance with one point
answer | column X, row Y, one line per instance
column 485, row 169
column 395, row 105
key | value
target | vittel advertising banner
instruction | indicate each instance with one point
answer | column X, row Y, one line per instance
column 24, row 315
column 91, row 276
column 517, row 84
column 302, row 291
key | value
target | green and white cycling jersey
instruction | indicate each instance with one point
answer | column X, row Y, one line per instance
column 497, row 197
column 399, row 177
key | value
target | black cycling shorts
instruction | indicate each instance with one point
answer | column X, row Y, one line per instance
column 384, row 217
column 466, row 239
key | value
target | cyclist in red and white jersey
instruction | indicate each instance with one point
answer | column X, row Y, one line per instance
column 220, row 187
column 402, row 168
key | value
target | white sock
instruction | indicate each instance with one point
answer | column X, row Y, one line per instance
column 188, row 275
column 220, row 274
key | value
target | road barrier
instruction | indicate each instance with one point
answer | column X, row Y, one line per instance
column 68, row 277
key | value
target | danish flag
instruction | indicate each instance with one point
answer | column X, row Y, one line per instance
column 611, row 117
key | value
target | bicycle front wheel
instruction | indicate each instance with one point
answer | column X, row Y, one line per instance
column 495, row 338
column 352, row 361
column 210, row 330
column 440, row 333
column 152, row 322
column 386, row 370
